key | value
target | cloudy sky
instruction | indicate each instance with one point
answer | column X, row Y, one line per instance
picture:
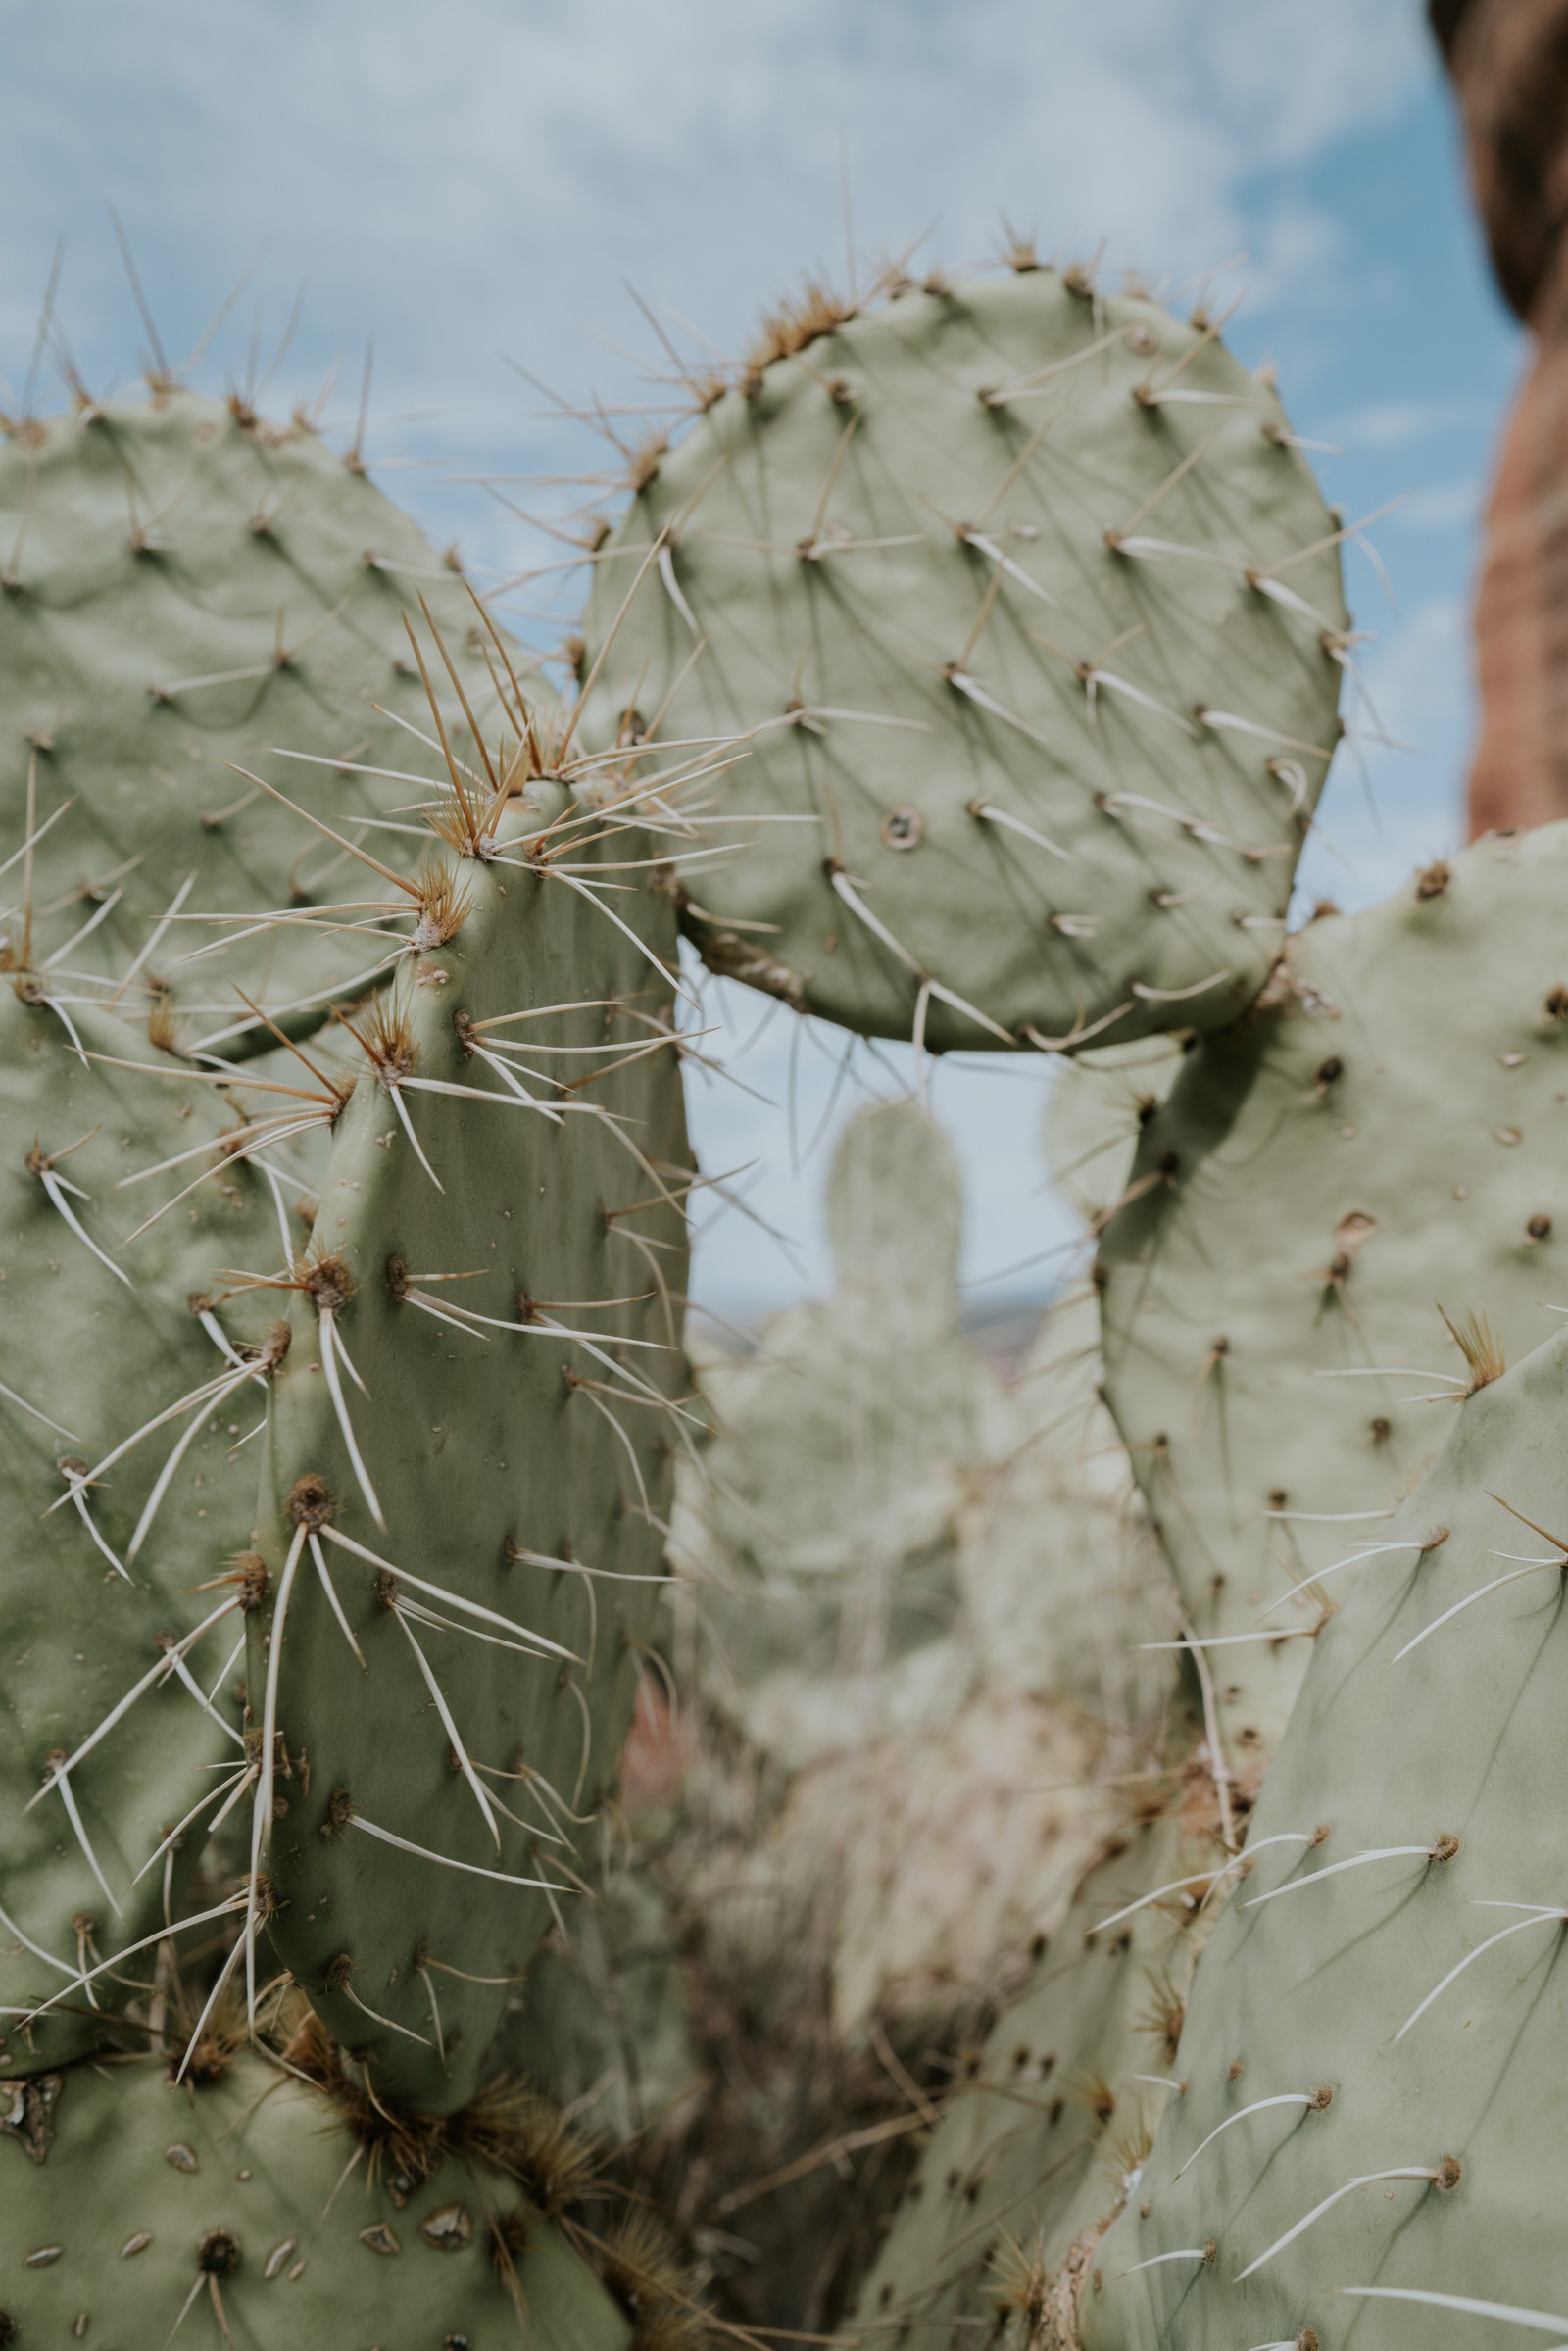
column 488, row 177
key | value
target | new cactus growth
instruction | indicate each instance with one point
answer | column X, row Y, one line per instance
column 1377, row 1147
column 1026, row 609
column 1372, row 2139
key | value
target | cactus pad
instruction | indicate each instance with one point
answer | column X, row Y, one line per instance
column 1388, row 1141
column 465, row 1556
column 186, row 587
column 1022, row 604
column 246, row 2211
column 1372, row 2142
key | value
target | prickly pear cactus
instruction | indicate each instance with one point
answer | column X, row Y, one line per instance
column 1382, row 1146
column 824, row 1525
column 468, row 1457
column 1025, row 605
column 1372, row 2142
column 129, row 1394
column 187, row 588
column 245, row 2213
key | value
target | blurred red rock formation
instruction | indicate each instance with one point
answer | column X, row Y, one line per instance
column 1510, row 64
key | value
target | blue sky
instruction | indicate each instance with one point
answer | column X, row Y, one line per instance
column 483, row 178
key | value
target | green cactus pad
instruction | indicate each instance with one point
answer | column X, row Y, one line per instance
column 1038, row 2146
column 248, row 2207
column 508, row 1483
column 1388, row 1141
column 97, row 1587
column 186, row 587
column 867, row 545
column 1391, row 1981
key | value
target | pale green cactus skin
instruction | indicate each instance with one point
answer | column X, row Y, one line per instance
column 96, row 1357
column 129, row 2179
column 486, row 1463
column 187, row 587
column 1409, row 1731
column 1098, row 1103
column 825, row 1525
column 873, row 538
column 1318, row 1184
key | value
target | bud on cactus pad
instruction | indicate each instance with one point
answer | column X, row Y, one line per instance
column 1374, row 2140
column 470, row 1453
column 1382, row 1149
column 247, row 2210
column 128, row 1385
column 1024, row 605
column 186, row 587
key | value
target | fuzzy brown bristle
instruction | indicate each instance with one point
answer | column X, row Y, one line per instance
column 444, row 907
column 1022, row 2283
column 385, row 1035
column 162, row 1026
column 408, row 2148
column 516, row 2129
column 641, row 467
column 1481, row 1348
column 796, row 322
column 641, row 2267
column 1165, row 2013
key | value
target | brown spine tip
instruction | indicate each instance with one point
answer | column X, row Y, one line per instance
column 250, row 1581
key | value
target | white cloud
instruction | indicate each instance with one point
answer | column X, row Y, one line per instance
column 1387, row 425
column 1444, row 505
column 490, row 172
